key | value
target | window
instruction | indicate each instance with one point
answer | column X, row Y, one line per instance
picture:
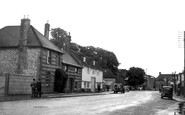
column 47, row 79
column 93, row 72
column 76, row 70
column 84, row 84
column 88, row 70
column 76, row 85
column 87, row 84
column 65, row 68
column 98, row 72
column 48, row 57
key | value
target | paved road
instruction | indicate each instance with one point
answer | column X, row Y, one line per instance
column 131, row 103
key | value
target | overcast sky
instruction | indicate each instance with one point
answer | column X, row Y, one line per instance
column 141, row 33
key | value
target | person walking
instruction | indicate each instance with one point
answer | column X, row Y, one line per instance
column 39, row 88
column 33, row 87
column 98, row 88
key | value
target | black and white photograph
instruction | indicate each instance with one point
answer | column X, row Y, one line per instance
column 92, row 57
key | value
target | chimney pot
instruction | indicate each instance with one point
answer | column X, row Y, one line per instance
column 46, row 30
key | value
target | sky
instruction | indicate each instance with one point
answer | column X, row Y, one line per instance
column 141, row 33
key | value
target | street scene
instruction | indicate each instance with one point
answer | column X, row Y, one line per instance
column 130, row 103
column 92, row 57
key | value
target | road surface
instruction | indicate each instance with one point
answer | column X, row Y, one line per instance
column 129, row 103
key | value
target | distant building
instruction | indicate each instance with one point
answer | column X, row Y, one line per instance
column 24, row 50
column 163, row 79
column 109, row 79
column 71, row 67
column 92, row 74
column 149, row 84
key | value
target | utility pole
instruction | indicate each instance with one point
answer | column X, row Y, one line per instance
column 184, row 65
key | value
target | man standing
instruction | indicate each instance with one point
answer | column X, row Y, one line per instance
column 33, row 87
column 98, row 88
column 39, row 88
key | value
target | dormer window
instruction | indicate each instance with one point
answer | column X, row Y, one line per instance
column 94, row 63
column 48, row 57
column 84, row 59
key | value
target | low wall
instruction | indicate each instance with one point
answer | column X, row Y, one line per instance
column 2, row 83
column 19, row 84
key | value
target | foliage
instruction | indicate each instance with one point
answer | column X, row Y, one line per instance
column 123, row 73
column 58, row 36
column 136, row 76
column 106, row 59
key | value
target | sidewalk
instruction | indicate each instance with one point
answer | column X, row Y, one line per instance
column 179, row 99
column 4, row 98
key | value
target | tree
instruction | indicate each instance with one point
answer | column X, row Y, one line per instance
column 136, row 76
column 106, row 59
column 58, row 36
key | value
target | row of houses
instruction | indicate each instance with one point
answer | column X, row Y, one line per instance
column 174, row 79
column 24, row 51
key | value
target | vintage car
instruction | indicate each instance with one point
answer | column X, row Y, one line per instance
column 167, row 91
column 118, row 87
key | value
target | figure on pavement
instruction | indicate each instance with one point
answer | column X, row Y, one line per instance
column 98, row 88
column 33, row 87
column 39, row 88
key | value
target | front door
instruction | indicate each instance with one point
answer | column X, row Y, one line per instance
column 93, row 81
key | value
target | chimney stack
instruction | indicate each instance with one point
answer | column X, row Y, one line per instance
column 22, row 60
column 24, row 28
column 46, row 30
column 67, row 43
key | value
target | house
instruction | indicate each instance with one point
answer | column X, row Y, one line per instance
column 24, row 50
column 92, row 74
column 109, row 79
column 164, row 79
column 71, row 67
column 149, row 83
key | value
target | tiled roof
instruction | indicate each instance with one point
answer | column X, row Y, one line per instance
column 161, row 77
column 68, row 59
column 108, row 74
column 9, row 37
column 88, row 62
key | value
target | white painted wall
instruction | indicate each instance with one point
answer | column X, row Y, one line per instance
column 87, row 73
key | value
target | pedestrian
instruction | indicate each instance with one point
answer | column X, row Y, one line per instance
column 33, row 87
column 107, row 88
column 98, row 88
column 39, row 88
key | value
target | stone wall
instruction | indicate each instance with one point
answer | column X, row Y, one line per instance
column 32, row 62
column 8, row 60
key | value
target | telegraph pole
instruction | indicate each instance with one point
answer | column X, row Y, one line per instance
column 184, row 64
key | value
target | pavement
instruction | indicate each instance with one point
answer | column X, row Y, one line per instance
column 180, row 100
column 4, row 98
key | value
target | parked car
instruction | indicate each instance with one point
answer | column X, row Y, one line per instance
column 118, row 87
column 167, row 91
